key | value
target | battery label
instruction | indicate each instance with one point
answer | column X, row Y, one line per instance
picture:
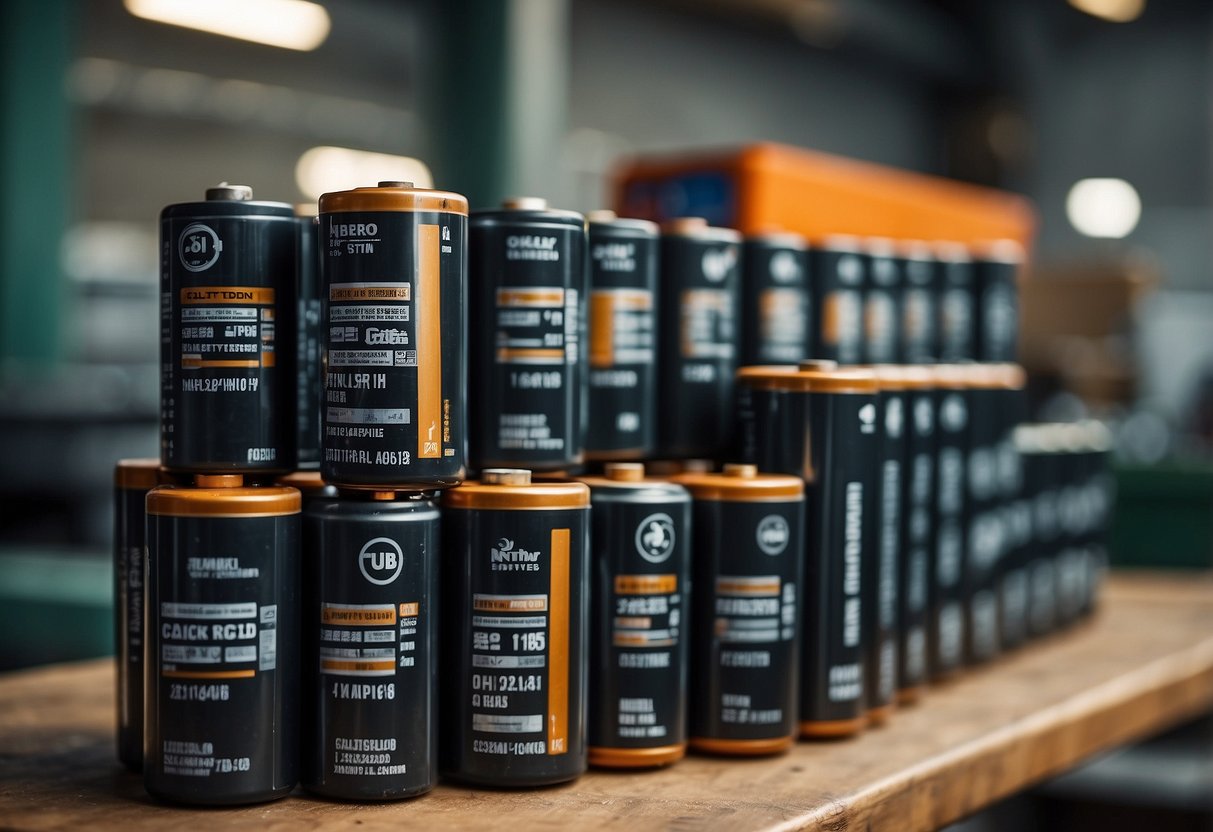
column 880, row 323
column 707, row 327
column 225, row 327
column 621, row 333
column 367, row 640
column 956, row 325
column 645, row 631
column 783, row 321
column 842, row 321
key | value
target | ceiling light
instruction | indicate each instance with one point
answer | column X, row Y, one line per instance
column 1116, row 11
column 1103, row 207
column 325, row 169
column 291, row 24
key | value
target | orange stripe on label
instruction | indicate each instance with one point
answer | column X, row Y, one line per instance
column 645, row 584
column 336, row 664
column 509, row 605
column 530, row 297
column 506, row 354
column 602, row 329
column 558, row 645
column 347, row 293
column 410, row 610
column 200, row 364
column 359, row 617
column 428, row 310
column 226, row 296
column 267, row 359
column 764, row 589
column 209, row 674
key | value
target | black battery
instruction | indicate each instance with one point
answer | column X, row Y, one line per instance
column 227, row 334
column 309, row 383
column 1039, row 451
column 1010, row 576
column 820, row 423
column 1099, row 488
column 946, row 617
column 919, row 318
column 917, row 532
column 639, row 637
column 955, row 284
column 774, row 299
column 745, row 611
column 883, row 303
column 221, row 693
column 697, row 313
column 1070, row 567
column 394, row 268
column 370, row 613
column 133, row 478
column 622, row 418
column 515, row 612
column 839, row 270
column 996, row 268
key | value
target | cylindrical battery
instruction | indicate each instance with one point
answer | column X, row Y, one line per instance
column 774, row 299
column 919, row 319
column 370, row 618
column 309, row 384
column 1039, row 450
column 697, row 314
column 133, row 478
column 222, row 648
column 515, row 610
column 1011, row 582
column 640, row 547
column 836, row 330
column 622, row 419
column 227, row 334
column 996, row 312
column 1070, row 565
column 946, row 619
column 745, row 618
column 1099, row 487
column 883, row 302
column 527, row 363
column 955, row 284
column 820, row 423
column 394, row 268
column 917, row 532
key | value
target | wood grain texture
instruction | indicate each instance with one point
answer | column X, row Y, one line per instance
column 1143, row 664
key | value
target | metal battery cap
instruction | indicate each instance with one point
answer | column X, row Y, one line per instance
column 505, row 476
column 219, row 480
column 512, row 489
column 524, row 203
column 742, row 483
column 624, row 471
column 214, row 498
column 603, row 215
column 224, row 191
column 393, row 196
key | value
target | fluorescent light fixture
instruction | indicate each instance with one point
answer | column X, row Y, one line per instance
column 1115, row 11
column 325, row 169
column 291, row 24
column 1107, row 208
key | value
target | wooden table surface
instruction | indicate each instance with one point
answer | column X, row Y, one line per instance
column 1143, row 664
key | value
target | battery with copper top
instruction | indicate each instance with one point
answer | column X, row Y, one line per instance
column 370, row 618
column 745, row 617
column 639, row 637
column 222, row 647
column 698, row 314
column 227, row 334
column 621, row 422
column 839, row 268
column 515, row 610
column 775, row 299
column 527, row 357
column 819, row 422
column 997, row 264
column 393, row 270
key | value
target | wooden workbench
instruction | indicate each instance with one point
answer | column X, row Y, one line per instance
column 1143, row 664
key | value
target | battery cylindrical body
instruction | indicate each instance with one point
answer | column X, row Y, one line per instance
column 836, row 330
column 774, row 300
column 370, row 613
column 955, row 284
column 227, row 334
column 919, row 318
column 1070, row 566
column 622, row 418
column 697, row 316
column 917, row 532
column 222, row 648
column 394, row 268
column 309, row 384
column 996, row 314
column 1011, row 582
column 820, row 423
column 133, row 478
column 1039, row 450
column 516, row 608
column 1099, row 486
column 640, row 557
column 745, row 615
column 946, row 629
column 883, row 303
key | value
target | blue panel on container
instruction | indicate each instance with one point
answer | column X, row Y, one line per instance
column 709, row 195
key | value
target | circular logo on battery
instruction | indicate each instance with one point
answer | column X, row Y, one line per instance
column 381, row 560
column 784, row 268
column 199, row 247
column 773, row 534
column 655, row 537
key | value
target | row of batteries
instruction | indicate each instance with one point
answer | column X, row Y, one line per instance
column 277, row 624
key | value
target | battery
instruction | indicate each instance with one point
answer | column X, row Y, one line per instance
column 393, row 270
column 996, row 314
column 309, row 384
column 133, row 478
column 774, row 299
column 515, row 609
column 883, row 302
column 946, row 618
column 1099, row 487
column 222, row 649
column 819, row 422
column 1039, row 448
column 1070, row 562
column 640, row 581
column 1011, row 583
column 227, row 289
column 919, row 318
column 371, row 564
column 698, row 313
column 622, row 338
column 955, row 284
column 745, row 618
column 917, row 532
column 836, row 330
